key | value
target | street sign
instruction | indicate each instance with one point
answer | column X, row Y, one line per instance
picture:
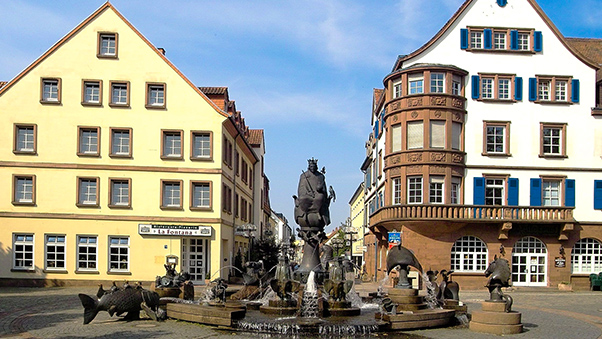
column 394, row 237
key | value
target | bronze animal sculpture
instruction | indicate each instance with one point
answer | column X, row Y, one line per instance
column 130, row 300
column 337, row 286
column 282, row 282
column 254, row 270
column 433, row 289
column 498, row 273
column 448, row 289
column 171, row 277
column 218, row 291
column 402, row 257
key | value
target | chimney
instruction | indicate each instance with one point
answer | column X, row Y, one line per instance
column 162, row 50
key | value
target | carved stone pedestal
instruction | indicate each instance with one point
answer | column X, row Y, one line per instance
column 494, row 319
column 413, row 313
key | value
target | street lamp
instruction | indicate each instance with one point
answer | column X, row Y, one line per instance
column 248, row 231
column 350, row 232
column 337, row 244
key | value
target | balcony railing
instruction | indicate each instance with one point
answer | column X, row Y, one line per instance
column 472, row 213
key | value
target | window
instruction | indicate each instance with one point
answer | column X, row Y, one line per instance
column 503, row 89
column 121, row 142
column 469, row 254
column 414, row 190
column 396, row 191
column 397, row 89
column 227, row 199
column 553, row 89
column 24, row 190
column 227, row 152
column 586, row 256
column 494, row 191
column 476, row 39
column 487, row 88
column 25, row 139
column 415, row 134
column 456, row 136
column 201, row 195
column 23, row 252
column 171, row 194
column 457, row 85
column 551, row 192
column 436, row 190
column 544, row 89
column 119, row 254
column 416, row 83
column 55, row 252
column 107, row 45
column 91, row 92
column 51, row 91
column 87, row 251
column 87, row 194
column 560, row 90
column 396, row 138
column 119, row 193
column 455, row 190
column 523, row 41
column 437, row 134
column 155, row 95
column 120, row 94
column 201, row 145
column 172, row 145
column 89, row 141
column 497, row 138
column 553, row 140
column 437, row 82
column 499, row 40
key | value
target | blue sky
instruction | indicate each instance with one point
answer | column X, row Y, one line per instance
column 301, row 70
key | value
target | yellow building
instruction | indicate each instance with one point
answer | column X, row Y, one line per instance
column 357, row 220
column 113, row 162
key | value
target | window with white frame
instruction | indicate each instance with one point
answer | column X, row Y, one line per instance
column 23, row 251
column 396, row 138
column 494, row 191
column 455, row 190
column 552, row 140
column 503, row 89
column 499, row 40
column 172, row 144
column 88, row 141
column 437, row 136
column 456, row 135
column 25, row 139
column 107, row 45
column 437, row 82
column 121, row 142
column 544, row 89
column 87, row 253
column 201, row 145
column 155, row 95
column 120, row 94
column 171, row 194
column 120, row 193
column 415, row 134
column 495, row 138
column 416, row 83
column 523, row 41
column 397, row 89
column 24, row 189
column 92, row 93
column 586, row 256
column 487, row 88
column 396, row 191
column 55, row 252
column 119, row 254
column 469, row 254
column 551, row 190
column 560, row 92
column 87, row 192
column 415, row 190
column 457, row 85
column 436, row 189
column 51, row 92
column 201, row 195
column 476, row 39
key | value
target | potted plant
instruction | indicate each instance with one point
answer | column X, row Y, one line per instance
column 565, row 286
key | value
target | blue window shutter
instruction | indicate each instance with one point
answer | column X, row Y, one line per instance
column 478, row 196
column 475, row 87
column 376, row 129
column 518, row 89
column 569, row 193
column 575, row 90
column 598, row 194
column 537, row 41
column 464, row 38
column 532, row 89
column 502, row 3
column 535, row 192
column 512, row 191
column 514, row 40
column 487, row 37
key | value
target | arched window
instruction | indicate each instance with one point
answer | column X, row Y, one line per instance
column 469, row 254
column 586, row 256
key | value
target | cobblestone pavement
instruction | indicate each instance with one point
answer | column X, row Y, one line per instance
column 58, row 313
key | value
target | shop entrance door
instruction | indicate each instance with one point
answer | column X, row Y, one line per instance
column 195, row 259
column 529, row 262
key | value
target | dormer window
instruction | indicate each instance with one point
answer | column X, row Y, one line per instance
column 107, row 45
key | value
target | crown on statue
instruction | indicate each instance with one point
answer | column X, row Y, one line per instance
column 312, row 161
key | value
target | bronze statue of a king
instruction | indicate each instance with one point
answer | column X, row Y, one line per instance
column 312, row 215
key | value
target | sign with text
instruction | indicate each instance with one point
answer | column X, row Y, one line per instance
column 394, row 237
column 174, row 230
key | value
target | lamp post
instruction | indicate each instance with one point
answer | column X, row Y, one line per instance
column 350, row 232
column 337, row 244
column 248, row 231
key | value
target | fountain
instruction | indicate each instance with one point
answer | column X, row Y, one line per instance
column 284, row 302
column 338, row 288
column 174, row 284
column 496, row 315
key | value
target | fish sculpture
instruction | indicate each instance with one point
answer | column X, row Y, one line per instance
column 402, row 257
column 128, row 300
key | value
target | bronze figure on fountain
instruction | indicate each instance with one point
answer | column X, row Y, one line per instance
column 312, row 215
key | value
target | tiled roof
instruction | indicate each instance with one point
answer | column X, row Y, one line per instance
column 590, row 49
column 255, row 136
column 214, row 90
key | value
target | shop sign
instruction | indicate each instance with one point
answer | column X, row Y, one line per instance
column 174, row 230
column 559, row 262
